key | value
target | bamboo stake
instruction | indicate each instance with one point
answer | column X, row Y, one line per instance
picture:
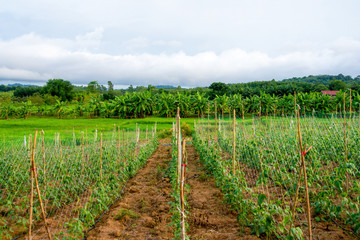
column 82, row 152
column 32, row 187
column 305, row 177
column 37, row 186
column 123, row 143
column 202, row 128
column 182, row 198
column 119, row 143
column 297, row 186
column 208, row 124
column 215, row 122
column 44, row 169
column 179, row 145
column 101, row 150
column 345, row 145
column 177, row 125
column 234, row 145
column 146, row 137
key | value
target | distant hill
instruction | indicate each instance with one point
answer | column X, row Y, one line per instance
column 165, row 87
column 21, row 85
column 324, row 79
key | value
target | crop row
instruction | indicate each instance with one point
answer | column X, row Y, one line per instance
column 77, row 179
column 268, row 166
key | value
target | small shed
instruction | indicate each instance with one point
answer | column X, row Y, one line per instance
column 331, row 93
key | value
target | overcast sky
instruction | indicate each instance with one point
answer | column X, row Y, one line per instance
column 177, row 42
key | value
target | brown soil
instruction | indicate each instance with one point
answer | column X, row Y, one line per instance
column 209, row 217
column 56, row 223
column 143, row 211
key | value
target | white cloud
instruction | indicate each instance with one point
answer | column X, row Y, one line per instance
column 33, row 57
column 7, row 73
column 91, row 40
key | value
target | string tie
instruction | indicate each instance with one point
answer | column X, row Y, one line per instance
column 303, row 154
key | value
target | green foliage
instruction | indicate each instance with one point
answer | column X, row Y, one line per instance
column 166, row 133
column 337, row 85
column 218, row 89
column 21, row 92
column 186, row 130
column 74, row 175
column 58, row 87
column 267, row 155
column 126, row 212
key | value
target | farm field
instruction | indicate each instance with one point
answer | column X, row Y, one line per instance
column 77, row 180
column 17, row 128
column 265, row 183
column 119, row 182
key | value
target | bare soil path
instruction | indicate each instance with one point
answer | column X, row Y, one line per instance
column 209, row 217
column 143, row 210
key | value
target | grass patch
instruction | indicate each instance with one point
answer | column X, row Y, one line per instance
column 126, row 212
column 17, row 128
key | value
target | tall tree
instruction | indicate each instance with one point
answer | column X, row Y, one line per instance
column 110, row 86
column 58, row 87
column 337, row 85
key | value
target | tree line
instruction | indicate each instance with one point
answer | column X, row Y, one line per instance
column 59, row 98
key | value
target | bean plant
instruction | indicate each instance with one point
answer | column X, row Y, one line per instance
column 78, row 179
column 268, row 167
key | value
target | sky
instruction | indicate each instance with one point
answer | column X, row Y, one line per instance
column 188, row 43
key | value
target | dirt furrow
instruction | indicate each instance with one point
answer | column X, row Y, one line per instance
column 143, row 210
column 209, row 217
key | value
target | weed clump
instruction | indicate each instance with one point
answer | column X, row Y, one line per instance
column 186, row 130
column 126, row 212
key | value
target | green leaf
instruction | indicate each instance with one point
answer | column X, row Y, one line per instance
column 261, row 199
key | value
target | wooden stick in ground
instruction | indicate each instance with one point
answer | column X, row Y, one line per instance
column 177, row 125
column 182, row 198
column 44, row 164
column 119, row 142
column 101, row 150
column 305, row 178
column 32, row 188
column 123, row 144
column 297, row 188
column 37, row 187
column 215, row 122
column 82, row 152
column 178, row 145
column 146, row 133
column 345, row 145
column 208, row 125
column 234, row 123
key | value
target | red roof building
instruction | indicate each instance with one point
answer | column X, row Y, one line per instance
column 331, row 93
